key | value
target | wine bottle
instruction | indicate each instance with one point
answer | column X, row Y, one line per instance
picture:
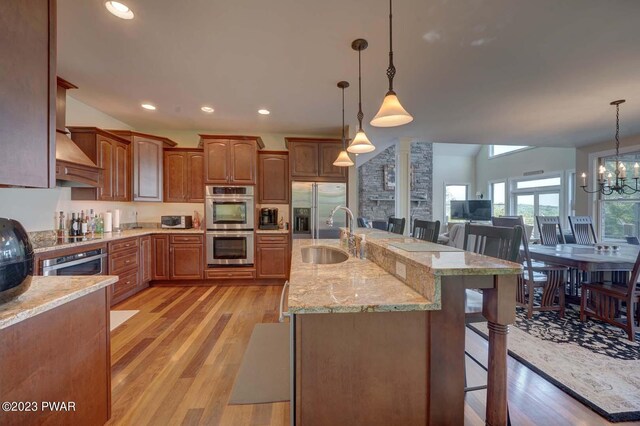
column 73, row 228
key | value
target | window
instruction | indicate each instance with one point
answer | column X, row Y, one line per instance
column 496, row 150
column 620, row 214
column 498, row 192
column 454, row 192
column 540, row 196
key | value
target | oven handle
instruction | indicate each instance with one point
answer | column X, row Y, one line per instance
column 230, row 233
column 73, row 263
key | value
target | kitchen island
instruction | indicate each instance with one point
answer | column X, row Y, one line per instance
column 381, row 340
column 55, row 352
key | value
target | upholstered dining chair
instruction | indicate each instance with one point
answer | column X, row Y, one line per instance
column 603, row 301
column 582, row 230
column 363, row 222
column 396, row 225
column 550, row 230
column 549, row 278
column 426, row 230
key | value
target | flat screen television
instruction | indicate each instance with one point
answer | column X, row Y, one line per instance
column 479, row 210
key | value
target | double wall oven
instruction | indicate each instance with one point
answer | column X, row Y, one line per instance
column 230, row 221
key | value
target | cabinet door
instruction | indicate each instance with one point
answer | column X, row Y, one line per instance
column 28, row 93
column 121, row 172
column 195, row 177
column 243, row 162
column 160, row 255
column 273, row 178
column 106, row 161
column 145, row 259
column 272, row 261
column 217, row 162
column 175, row 176
column 328, row 154
column 185, row 262
column 304, row 159
column 147, row 169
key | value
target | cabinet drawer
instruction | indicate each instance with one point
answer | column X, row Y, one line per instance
column 124, row 261
column 186, row 239
column 123, row 245
column 230, row 274
column 127, row 282
column 272, row 238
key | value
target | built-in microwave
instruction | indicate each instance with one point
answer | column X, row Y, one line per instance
column 229, row 248
column 230, row 207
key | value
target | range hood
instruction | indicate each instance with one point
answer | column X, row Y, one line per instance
column 73, row 166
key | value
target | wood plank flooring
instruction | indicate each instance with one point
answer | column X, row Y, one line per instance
column 174, row 363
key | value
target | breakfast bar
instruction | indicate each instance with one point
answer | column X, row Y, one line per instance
column 381, row 340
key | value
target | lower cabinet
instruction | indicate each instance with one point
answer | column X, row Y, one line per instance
column 145, row 259
column 124, row 261
column 186, row 257
column 160, row 256
column 272, row 256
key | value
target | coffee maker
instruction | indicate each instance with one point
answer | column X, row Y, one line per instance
column 268, row 218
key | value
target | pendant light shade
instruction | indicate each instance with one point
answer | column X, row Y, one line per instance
column 391, row 113
column 360, row 144
column 343, row 159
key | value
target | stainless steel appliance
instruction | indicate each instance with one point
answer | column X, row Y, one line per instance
column 88, row 262
column 311, row 206
column 175, row 222
column 229, row 207
column 268, row 218
column 16, row 259
column 229, row 248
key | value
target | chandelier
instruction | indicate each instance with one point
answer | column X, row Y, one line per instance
column 607, row 183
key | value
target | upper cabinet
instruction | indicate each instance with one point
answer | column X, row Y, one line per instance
column 312, row 159
column 230, row 159
column 184, row 175
column 147, row 162
column 28, row 94
column 110, row 152
column 273, row 177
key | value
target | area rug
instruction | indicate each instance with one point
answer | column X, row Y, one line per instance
column 591, row 361
column 264, row 373
column 117, row 318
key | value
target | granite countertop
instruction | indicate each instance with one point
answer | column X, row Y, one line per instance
column 355, row 285
column 46, row 293
column 45, row 245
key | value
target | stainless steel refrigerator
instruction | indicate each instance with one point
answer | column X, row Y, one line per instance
column 311, row 206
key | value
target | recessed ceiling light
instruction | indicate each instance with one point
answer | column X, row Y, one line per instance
column 149, row 107
column 264, row 111
column 119, row 9
column 207, row 109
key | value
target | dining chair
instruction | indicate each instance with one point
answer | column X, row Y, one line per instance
column 363, row 222
column 550, row 279
column 582, row 230
column 603, row 301
column 396, row 225
column 550, row 230
column 426, row 230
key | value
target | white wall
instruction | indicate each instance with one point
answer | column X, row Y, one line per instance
column 450, row 169
column 81, row 114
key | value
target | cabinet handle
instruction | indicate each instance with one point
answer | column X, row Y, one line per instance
column 127, row 261
column 128, row 282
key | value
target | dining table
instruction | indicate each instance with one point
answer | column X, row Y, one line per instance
column 588, row 259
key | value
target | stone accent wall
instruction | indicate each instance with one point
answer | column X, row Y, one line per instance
column 371, row 184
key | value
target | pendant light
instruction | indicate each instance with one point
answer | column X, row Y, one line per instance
column 391, row 113
column 360, row 144
column 343, row 159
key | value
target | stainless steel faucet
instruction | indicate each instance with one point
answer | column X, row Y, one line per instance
column 351, row 239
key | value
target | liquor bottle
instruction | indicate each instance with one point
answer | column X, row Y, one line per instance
column 92, row 223
column 84, row 226
column 61, row 227
column 73, row 228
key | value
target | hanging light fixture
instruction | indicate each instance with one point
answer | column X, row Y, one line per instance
column 606, row 184
column 360, row 144
column 343, row 159
column 391, row 113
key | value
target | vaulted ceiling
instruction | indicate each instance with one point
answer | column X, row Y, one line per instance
column 523, row 72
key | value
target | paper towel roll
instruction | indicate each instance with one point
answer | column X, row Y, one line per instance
column 108, row 222
column 116, row 219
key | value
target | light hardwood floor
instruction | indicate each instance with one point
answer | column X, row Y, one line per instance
column 174, row 363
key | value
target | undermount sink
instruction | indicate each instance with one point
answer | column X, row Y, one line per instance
column 323, row 255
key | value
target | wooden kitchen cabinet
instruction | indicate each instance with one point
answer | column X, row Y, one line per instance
column 160, row 256
column 28, row 95
column 146, row 260
column 110, row 152
column 186, row 257
column 230, row 159
column 273, row 177
column 312, row 159
column 147, row 163
column 125, row 261
column 184, row 175
column 272, row 256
